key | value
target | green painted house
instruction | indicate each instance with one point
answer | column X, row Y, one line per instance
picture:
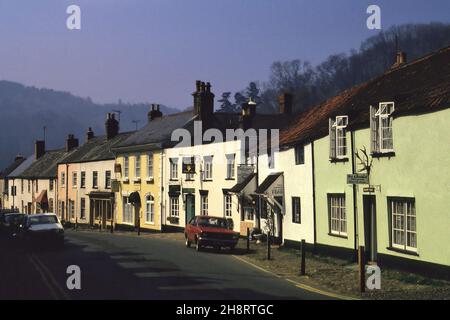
column 398, row 208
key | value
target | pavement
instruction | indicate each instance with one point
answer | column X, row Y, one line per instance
column 124, row 266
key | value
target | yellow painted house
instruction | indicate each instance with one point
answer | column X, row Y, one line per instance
column 138, row 172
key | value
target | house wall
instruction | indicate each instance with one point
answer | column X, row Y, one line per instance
column 417, row 170
column 143, row 185
column 214, row 187
column 75, row 192
column 23, row 199
column 297, row 183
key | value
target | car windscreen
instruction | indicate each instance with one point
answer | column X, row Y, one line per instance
column 213, row 222
column 13, row 218
column 42, row 220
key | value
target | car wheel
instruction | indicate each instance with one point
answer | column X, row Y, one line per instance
column 188, row 243
column 198, row 245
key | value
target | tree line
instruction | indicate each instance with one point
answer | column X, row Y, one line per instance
column 311, row 85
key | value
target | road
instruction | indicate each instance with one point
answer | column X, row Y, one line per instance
column 130, row 267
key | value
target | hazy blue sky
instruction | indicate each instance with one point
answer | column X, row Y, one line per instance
column 154, row 50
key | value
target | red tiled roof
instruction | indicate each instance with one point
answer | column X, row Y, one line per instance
column 420, row 86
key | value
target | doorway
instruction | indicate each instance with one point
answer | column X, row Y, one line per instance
column 370, row 224
column 190, row 207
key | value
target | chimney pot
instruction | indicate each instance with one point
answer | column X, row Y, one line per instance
column 89, row 134
column 71, row 143
column 204, row 103
column 400, row 58
column 111, row 126
column 154, row 112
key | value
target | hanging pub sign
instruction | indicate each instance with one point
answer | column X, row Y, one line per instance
column 188, row 166
column 117, row 168
column 115, row 185
column 358, row 178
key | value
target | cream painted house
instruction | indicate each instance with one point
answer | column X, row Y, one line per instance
column 85, row 194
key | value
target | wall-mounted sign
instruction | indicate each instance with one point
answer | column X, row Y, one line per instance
column 358, row 178
column 369, row 189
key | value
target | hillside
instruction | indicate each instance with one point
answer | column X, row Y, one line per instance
column 26, row 110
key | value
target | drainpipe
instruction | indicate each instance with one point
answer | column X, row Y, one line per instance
column 314, row 195
column 355, row 194
column 161, row 189
column 66, row 182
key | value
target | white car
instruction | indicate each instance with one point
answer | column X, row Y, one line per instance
column 44, row 227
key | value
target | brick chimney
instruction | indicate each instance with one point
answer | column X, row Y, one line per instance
column 154, row 113
column 203, row 103
column 39, row 149
column 286, row 101
column 111, row 126
column 89, row 134
column 400, row 59
column 71, row 142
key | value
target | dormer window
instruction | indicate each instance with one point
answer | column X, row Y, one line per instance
column 381, row 128
column 338, row 137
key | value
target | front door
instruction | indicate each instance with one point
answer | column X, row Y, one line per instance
column 370, row 235
column 190, row 207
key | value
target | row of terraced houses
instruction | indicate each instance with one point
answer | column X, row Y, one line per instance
column 368, row 167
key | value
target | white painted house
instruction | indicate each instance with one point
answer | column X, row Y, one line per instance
column 286, row 184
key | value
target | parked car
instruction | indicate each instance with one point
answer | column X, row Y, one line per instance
column 10, row 224
column 42, row 228
column 208, row 231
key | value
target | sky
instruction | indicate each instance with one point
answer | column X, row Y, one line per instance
column 154, row 50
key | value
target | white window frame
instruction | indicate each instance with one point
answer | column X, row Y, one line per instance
column 337, row 215
column 126, row 167
column 107, row 180
column 74, row 179
column 63, row 180
column 379, row 129
column 82, row 208
column 149, row 209
column 404, row 222
column 207, row 168
column 204, row 205
column 338, row 137
column 231, row 160
column 173, row 168
column 150, row 165
column 127, row 211
column 174, row 206
column 83, row 179
column 227, row 205
column 137, row 166
column 95, row 181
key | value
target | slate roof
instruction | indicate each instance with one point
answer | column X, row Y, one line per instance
column 157, row 132
column 96, row 149
column 23, row 166
column 5, row 172
column 268, row 181
column 46, row 166
column 417, row 87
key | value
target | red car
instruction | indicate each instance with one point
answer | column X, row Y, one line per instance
column 207, row 231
